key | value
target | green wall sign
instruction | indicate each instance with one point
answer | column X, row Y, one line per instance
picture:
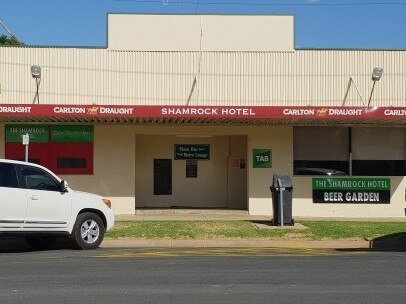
column 38, row 133
column 351, row 190
column 71, row 133
column 262, row 158
column 197, row 152
column 46, row 133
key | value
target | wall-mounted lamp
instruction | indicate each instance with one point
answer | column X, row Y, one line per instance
column 36, row 74
column 36, row 71
column 376, row 76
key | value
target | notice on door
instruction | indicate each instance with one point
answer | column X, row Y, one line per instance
column 191, row 169
column 351, row 190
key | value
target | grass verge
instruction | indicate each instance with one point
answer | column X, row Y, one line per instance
column 246, row 230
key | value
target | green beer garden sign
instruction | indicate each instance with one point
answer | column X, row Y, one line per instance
column 351, row 190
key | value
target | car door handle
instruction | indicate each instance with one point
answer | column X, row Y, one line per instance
column 34, row 197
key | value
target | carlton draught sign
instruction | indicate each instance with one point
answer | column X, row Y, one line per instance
column 253, row 113
column 351, row 190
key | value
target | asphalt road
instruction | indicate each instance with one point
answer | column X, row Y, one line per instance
column 206, row 275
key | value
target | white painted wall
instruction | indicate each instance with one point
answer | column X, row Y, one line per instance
column 114, row 167
column 280, row 141
column 136, row 32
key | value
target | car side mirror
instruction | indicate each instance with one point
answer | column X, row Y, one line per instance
column 64, row 186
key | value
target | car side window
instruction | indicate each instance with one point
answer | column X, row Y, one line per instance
column 38, row 179
column 8, row 176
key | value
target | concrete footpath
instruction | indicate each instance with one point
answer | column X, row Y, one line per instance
column 238, row 215
column 226, row 215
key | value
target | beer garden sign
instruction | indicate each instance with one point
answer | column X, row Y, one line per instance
column 351, row 190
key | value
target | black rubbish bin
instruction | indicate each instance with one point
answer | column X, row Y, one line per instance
column 282, row 194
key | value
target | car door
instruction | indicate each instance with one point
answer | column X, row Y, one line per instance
column 13, row 200
column 47, row 206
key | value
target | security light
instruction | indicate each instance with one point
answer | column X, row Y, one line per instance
column 376, row 74
column 36, row 71
column 36, row 74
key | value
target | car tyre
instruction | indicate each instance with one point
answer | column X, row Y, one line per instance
column 40, row 243
column 88, row 232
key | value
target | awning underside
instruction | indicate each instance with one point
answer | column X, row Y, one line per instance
column 203, row 120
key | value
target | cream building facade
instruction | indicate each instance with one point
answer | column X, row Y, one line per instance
column 234, row 87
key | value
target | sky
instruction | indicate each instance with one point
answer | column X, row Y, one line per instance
column 319, row 24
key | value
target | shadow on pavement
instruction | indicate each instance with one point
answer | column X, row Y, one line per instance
column 18, row 244
column 390, row 242
column 395, row 242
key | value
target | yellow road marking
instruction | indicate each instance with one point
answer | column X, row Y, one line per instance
column 222, row 252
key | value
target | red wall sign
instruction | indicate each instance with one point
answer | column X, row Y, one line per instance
column 65, row 149
column 88, row 111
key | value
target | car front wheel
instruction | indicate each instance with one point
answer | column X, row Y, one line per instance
column 88, row 232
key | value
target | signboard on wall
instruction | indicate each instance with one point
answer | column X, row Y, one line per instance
column 71, row 133
column 192, row 152
column 38, row 133
column 351, row 190
column 65, row 149
column 394, row 115
column 262, row 158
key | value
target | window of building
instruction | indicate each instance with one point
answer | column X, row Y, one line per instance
column 321, row 151
column 327, row 150
column 64, row 149
column 379, row 151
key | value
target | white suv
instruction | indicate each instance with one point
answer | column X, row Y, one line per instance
column 38, row 205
